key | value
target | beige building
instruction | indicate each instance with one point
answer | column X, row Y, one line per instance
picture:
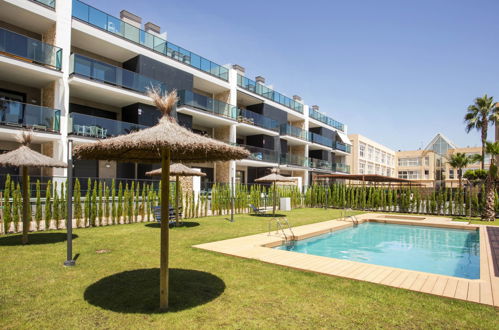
column 430, row 165
column 370, row 157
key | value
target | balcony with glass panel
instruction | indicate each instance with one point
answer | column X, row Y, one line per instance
column 113, row 25
column 197, row 105
column 29, row 50
column 340, row 146
column 322, row 140
column 47, row 3
column 261, row 154
column 340, row 167
column 252, row 123
column 262, row 90
column 294, row 160
column 320, row 164
column 113, row 75
column 295, row 133
column 87, row 126
column 312, row 113
column 30, row 116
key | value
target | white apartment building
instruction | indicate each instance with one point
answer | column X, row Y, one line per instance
column 70, row 71
column 370, row 157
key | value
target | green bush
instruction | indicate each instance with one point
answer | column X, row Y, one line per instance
column 48, row 205
column 77, row 204
column 38, row 205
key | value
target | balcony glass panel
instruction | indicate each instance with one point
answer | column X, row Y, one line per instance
column 116, row 26
column 28, row 49
column 295, row 160
column 319, row 139
column 25, row 115
column 342, row 146
column 98, row 127
column 90, row 68
column 207, row 104
column 261, row 154
column 253, row 118
column 320, row 164
column 286, row 129
column 48, row 3
column 339, row 167
column 268, row 93
column 325, row 119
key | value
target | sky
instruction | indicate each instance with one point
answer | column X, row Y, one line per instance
column 398, row 72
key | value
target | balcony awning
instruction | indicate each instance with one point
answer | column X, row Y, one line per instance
column 344, row 138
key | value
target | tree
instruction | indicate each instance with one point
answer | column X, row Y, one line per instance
column 459, row 161
column 48, row 205
column 480, row 115
column 488, row 214
column 38, row 207
column 7, row 210
column 77, row 203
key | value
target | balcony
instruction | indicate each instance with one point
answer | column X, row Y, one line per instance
column 261, row 154
column 325, row 119
column 322, row 140
column 29, row 50
column 23, row 115
column 253, row 118
column 294, row 160
column 337, row 145
column 339, row 167
column 113, row 25
column 98, row 127
column 113, row 75
column 268, row 93
column 48, row 3
column 206, row 104
column 320, row 164
column 296, row 132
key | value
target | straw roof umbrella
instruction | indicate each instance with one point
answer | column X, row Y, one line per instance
column 164, row 142
column 178, row 170
column 25, row 157
column 273, row 178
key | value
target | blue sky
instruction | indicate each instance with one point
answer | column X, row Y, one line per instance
column 395, row 71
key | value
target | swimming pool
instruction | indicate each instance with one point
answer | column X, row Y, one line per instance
column 453, row 252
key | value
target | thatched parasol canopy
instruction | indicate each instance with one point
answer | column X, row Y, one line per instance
column 25, row 157
column 164, row 142
column 178, row 170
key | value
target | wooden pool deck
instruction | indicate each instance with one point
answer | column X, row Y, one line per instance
column 484, row 290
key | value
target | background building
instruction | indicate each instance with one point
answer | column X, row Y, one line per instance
column 370, row 157
column 69, row 70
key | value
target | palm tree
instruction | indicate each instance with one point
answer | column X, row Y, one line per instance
column 489, row 212
column 459, row 161
column 480, row 115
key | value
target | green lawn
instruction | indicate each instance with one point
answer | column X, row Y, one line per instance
column 477, row 221
column 119, row 288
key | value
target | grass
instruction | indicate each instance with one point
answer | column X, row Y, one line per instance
column 476, row 221
column 118, row 287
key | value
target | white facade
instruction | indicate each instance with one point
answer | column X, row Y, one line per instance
column 370, row 157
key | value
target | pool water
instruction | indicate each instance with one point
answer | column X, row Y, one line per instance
column 453, row 252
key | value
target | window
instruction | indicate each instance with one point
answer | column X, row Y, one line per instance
column 377, row 155
column 383, row 157
column 378, row 169
column 427, row 174
column 451, row 174
column 370, row 152
column 427, row 161
column 370, row 169
column 362, row 150
column 388, row 172
column 409, row 161
column 411, row 175
column 362, row 167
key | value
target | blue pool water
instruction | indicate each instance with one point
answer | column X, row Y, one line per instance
column 452, row 252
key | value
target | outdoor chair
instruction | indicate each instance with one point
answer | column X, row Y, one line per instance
column 257, row 210
column 171, row 214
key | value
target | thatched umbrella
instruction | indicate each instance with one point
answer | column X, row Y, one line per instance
column 178, row 170
column 273, row 178
column 25, row 157
column 164, row 142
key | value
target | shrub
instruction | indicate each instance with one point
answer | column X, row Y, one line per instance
column 7, row 209
column 38, row 205
column 48, row 205
column 56, row 207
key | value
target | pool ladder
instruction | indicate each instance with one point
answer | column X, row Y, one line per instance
column 346, row 217
column 281, row 225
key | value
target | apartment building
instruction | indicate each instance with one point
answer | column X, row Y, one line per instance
column 429, row 166
column 370, row 157
column 71, row 71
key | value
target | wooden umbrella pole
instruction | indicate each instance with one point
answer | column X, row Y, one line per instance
column 26, row 213
column 273, row 208
column 165, row 212
column 177, row 186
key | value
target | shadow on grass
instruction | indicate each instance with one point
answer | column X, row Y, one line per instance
column 137, row 291
column 187, row 224
column 267, row 215
column 35, row 239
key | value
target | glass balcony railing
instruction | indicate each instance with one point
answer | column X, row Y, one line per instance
column 261, row 154
column 98, row 127
column 319, row 164
column 268, row 93
column 342, row 146
column 297, row 132
column 17, row 114
column 253, row 118
column 325, row 119
column 111, row 24
column 207, row 104
column 113, row 75
column 30, row 50
column 322, row 140
column 339, row 167
column 48, row 3
column 294, row 160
